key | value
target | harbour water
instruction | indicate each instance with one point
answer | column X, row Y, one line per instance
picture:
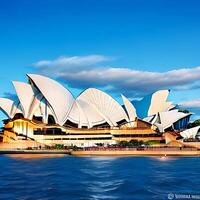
column 96, row 178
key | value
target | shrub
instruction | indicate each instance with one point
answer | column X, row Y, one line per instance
column 59, row 146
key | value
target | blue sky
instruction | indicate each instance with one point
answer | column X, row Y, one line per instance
column 107, row 44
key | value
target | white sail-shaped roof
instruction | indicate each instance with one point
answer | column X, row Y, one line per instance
column 171, row 106
column 9, row 107
column 59, row 98
column 35, row 105
column 44, row 97
column 89, row 112
column 149, row 118
column 105, row 105
column 153, row 103
column 74, row 115
column 40, row 107
column 129, row 108
column 159, row 102
column 85, row 114
column 46, row 110
column 190, row 133
column 25, row 95
column 152, row 119
column 168, row 118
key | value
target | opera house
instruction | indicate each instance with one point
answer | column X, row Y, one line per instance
column 47, row 113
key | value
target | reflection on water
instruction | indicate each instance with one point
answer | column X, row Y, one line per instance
column 96, row 178
column 102, row 158
column 164, row 158
column 104, row 182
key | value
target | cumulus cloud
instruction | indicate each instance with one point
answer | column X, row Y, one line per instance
column 90, row 71
column 74, row 63
column 191, row 104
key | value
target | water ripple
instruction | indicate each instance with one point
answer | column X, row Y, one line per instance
column 97, row 178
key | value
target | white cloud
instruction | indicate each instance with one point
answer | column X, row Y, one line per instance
column 191, row 104
column 66, row 62
column 90, row 71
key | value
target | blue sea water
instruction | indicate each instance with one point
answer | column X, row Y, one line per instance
column 96, row 178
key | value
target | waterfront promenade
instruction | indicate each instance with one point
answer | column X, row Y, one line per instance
column 147, row 151
column 34, row 151
column 108, row 151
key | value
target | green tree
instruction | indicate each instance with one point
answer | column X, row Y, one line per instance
column 194, row 123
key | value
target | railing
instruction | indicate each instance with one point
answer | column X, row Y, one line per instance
column 139, row 149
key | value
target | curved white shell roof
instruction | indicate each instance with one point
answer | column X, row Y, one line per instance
column 166, row 119
column 74, row 114
column 35, row 104
column 25, row 95
column 149, row 118
column 159, row 102
column 153, row 103
column 46, row 110
column 85, row 114
column 9, row 107
column 40, row 107
column 93, row 117
column 129, row 108
column 190, row 133
column 59, row 98
column 105, row 105
column 44, row 97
